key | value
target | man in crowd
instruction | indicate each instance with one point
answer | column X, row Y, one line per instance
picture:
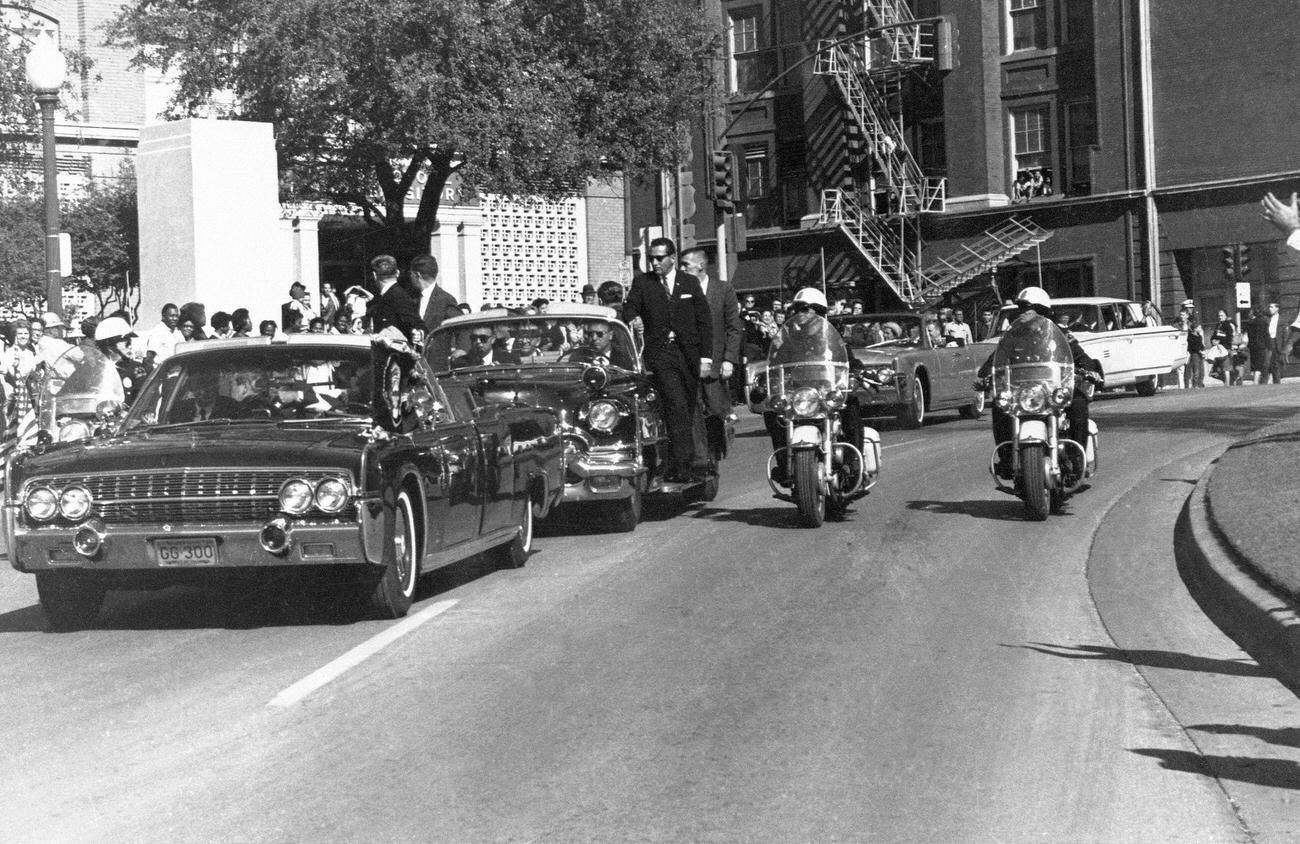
column 678, row 329
column 987, row 325
column 160, row 342
column 329, row 302
column 588, row 294
column 298, row 308
column 957, row 329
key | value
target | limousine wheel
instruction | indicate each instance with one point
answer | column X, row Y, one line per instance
column 515, row 552
column 70, row 600
column 1146, row 387
column 392, row 594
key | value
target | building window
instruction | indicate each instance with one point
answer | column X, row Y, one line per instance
column 752, row 65
column 932, row 147
column 1028, row 24
column 1031, row 149
column 1078, row 21
column 758, row 173
column 1081, row 132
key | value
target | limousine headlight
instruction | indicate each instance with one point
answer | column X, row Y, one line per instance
column 331, row 495
column 41, row 504
column 74, row 503
column 603, row 415
column 296, row 496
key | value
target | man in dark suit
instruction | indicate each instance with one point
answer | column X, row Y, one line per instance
column 727, row 332
column 435, row 304
column 678, row 345
column 393, row 306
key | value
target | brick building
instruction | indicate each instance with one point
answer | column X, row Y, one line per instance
column 1107, row 147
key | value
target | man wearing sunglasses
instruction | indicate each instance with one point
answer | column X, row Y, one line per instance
column 483, row 349
column 678, row 336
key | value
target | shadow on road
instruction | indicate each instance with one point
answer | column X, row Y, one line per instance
column 1287, row 736
column 1149, row 658
column 1276, row 773
column 1004, row 509
column 786, row 517
column 26, row 620
column 1208, row 419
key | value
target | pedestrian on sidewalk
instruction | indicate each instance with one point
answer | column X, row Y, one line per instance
column 1194, row 369
column 1220, row 351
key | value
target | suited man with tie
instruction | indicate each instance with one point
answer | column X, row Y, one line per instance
column 678, row 345
column 727, row 332
column 393, row 306
column 435, row 304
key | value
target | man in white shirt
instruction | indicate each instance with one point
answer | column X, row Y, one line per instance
column 160, row 342
column 957, row 329
column 50, row 346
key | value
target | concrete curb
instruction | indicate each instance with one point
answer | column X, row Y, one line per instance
column 1232, row 594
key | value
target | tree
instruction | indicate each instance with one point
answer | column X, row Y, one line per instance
column 516, row 96
column 22, row 253
column 19, row 116
column 106, row 242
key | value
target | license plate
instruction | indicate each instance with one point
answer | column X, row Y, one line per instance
column 186, row 552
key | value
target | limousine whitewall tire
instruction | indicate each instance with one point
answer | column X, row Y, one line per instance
column 515, row 552
column 394, row 591
column 912, row 414
column 975, row 409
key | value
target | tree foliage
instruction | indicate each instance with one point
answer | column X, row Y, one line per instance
column 367, row 96
column 20, row 132
column 106, row 242
column 22, row 253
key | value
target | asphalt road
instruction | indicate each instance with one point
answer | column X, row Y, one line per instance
column 932, row 668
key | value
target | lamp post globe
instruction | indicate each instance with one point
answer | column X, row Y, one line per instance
column 46, row 69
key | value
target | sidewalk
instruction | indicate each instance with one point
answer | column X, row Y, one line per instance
column 1243, row 561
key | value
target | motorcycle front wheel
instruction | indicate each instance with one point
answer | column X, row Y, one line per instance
column 808, row 495
column 1033, row 481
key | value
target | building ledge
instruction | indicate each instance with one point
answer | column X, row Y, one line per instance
column 975, row 202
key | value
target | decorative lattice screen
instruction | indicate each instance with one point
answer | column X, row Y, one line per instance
column 533, row 248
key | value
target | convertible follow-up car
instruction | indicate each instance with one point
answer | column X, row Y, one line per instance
column 330, row 455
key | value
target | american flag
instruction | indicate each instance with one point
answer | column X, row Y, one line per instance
column 19, row 434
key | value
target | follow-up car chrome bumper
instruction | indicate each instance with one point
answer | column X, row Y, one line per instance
column 603, row 473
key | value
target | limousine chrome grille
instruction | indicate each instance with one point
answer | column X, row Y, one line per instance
column 188, row 496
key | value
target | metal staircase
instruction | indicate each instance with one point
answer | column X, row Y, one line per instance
column 879, row 213
column 996, row 245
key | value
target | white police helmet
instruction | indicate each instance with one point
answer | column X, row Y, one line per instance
column 812, row 297
column 1035, row 297
column 113, row 328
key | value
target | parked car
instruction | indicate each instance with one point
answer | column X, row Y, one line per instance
column 919, row 374
column 1115, row 333
column 581, row 361
column 334, row 456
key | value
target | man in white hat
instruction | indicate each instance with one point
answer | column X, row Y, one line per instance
column 50, row 345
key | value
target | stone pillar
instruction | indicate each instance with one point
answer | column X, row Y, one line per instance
column 210, row 217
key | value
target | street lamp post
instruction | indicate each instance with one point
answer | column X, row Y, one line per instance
column 45, row 71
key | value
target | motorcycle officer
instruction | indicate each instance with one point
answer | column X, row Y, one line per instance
column 112, row 336
column 809, row 304
column 1033, row 303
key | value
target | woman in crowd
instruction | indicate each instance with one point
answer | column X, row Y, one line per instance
column 1221, row 346
column 17, row 366
column 187, row 329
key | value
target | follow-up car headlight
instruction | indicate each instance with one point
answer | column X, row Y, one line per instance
column 41, row 504
column 805, row 401
column 331, row 495
column 296, row 496
column 74, row 503
column 603, row 415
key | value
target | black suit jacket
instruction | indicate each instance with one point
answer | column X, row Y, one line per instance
column 442, row 305
column 686, row 316
column 394, row 307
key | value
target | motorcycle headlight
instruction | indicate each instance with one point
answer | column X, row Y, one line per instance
column 74, row 429
column 296, row 496
column 780, row 404
column 1061, row 396
column 835, row 399
column 74, row 503
column 41, row 504
column 805, row 402
column 1032, row 399
column 1004, row 399
column 885, row 375
column 603, row 416
column 331, row 495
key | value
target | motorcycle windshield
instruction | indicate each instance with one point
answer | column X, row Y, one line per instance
column 76, row 384
column 808, row 352
column 1033, row 351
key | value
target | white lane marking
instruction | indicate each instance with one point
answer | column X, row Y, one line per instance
column 905, row 442
column 333, row 670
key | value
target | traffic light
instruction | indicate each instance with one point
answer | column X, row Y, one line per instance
column 724, row 180
column 1243, row 259
column 947, row 49
column 1230, row 261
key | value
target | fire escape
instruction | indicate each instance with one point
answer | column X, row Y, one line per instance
column 880, row 216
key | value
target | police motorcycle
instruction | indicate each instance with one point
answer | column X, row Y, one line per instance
column 822, row 454
column 81, row 396
column 1034, row 376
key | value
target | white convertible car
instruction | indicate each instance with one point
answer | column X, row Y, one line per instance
column 1114, row 332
